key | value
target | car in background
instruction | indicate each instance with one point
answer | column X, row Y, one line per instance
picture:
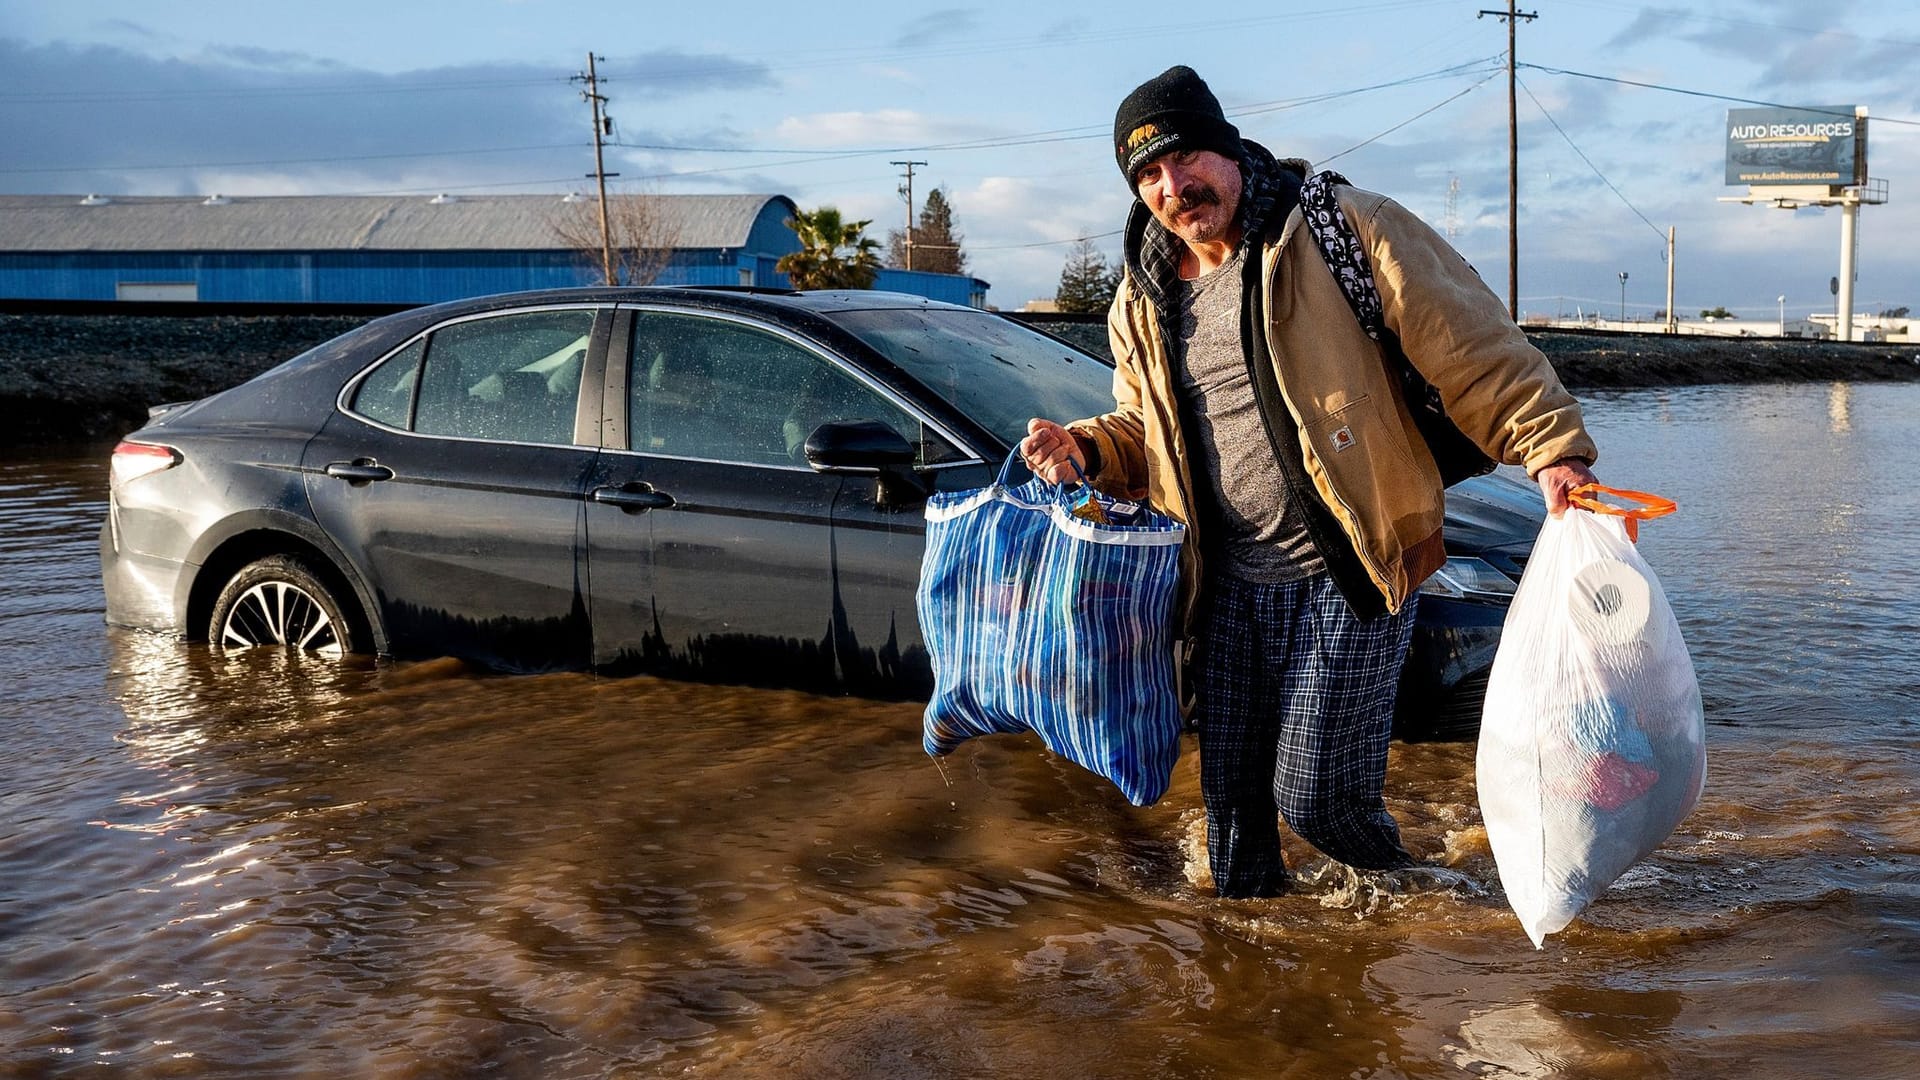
column 714, row 484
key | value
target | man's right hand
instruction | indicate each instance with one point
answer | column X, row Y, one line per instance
column 1051, row 452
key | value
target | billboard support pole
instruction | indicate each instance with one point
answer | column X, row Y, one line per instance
column 1672, row 325
column 1849, row 248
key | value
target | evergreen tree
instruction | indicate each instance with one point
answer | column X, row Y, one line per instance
column 834, row 254
column 1087, row 283
column 936, row 247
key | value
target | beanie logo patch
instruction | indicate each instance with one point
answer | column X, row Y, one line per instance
column 1158, row 143
column 1140, row 135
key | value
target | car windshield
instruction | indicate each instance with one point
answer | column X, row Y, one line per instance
column 991, row 368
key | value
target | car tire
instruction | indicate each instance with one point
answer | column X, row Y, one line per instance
column 281, row 601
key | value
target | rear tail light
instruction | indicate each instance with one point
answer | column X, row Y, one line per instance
column 133, row 460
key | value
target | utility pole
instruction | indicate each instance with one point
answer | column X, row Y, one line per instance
column 909, row 191
column 602, row 125
column 1452, row 219
column 1513, row 18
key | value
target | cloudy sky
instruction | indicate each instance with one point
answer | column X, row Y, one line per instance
column 1622, row 117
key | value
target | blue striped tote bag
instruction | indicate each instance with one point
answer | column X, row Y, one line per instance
column 1040, row 620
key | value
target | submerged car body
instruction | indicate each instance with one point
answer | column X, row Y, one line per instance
column 715, row 484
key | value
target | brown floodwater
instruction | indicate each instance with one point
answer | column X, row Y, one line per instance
column 262, row 865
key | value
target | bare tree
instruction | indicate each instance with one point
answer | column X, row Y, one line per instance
column 642, row 229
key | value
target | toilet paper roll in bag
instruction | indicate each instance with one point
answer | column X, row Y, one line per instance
column 1611, row 604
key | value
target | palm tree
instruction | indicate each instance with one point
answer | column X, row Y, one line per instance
column 833, row 254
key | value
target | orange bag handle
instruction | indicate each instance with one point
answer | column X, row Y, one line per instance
column 1652, row 506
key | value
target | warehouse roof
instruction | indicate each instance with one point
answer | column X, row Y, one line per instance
column 71, row 223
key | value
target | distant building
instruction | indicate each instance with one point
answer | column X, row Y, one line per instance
column 1867, row 327
column 1812, row 328
column 357, row 249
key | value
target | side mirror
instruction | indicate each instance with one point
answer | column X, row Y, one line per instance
column 856, row 446
column 869, row 448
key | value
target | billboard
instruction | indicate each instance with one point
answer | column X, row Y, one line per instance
column 1819, row 144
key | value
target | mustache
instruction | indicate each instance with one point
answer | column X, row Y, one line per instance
column 1196, row 195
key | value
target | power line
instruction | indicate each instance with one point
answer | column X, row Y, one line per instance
column 1589, row 161
column 948, row 48
column 96, row 97
column 1045, row 243
column 1071, row 134
column 1348, row 150
column 1678, row 14
column 1716, row 97
column 1409, row 120
column 296, row 161
column 1068, row 134
column 795, row 156
column 1468, row 67
column 666, row 73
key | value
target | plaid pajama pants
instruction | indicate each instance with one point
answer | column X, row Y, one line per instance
column 1296, row 708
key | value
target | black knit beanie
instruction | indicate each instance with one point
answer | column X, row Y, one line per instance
column 1174, row 110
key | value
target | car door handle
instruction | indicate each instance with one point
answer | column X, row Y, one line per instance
column 633, row 498
column 359, row 471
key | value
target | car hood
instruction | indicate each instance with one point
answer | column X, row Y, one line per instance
column 1492, row 512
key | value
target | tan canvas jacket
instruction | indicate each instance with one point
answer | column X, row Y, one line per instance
column 1358, row 441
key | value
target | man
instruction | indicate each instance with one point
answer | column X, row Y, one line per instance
column 1250, row 404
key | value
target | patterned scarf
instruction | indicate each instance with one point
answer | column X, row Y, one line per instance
column 1340, row 246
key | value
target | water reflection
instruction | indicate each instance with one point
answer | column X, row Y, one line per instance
column 255, row 865
column 1840, row 408
column 574, row 840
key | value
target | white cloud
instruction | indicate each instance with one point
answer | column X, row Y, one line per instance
column 1001, row 213
column 876, row 128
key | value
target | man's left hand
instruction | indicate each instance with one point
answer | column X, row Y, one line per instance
column 1559, row 478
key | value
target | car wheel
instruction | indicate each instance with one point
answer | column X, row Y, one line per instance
column 280, row 601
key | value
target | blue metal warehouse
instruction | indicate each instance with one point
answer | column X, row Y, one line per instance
column 381, row 249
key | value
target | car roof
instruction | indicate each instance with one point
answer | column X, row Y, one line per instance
column 795, row 309
column 713, row 297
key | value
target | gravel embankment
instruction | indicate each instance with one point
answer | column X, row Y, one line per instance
column 82, row 378
column 85, row 378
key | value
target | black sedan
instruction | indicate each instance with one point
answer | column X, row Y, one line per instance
column 702, row 483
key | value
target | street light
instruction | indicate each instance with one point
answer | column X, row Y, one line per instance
column 1783, row 316
column 1623, row 296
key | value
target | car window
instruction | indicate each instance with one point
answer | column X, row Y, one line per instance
column 386, row 394
column 991, row 368
column 512, row 378
column 720, row 390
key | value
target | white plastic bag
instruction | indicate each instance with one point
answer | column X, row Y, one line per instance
column 1592, row 743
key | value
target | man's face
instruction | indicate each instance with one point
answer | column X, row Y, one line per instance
column 1194, row 193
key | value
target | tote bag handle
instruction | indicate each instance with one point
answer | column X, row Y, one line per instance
column 1014, row 461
